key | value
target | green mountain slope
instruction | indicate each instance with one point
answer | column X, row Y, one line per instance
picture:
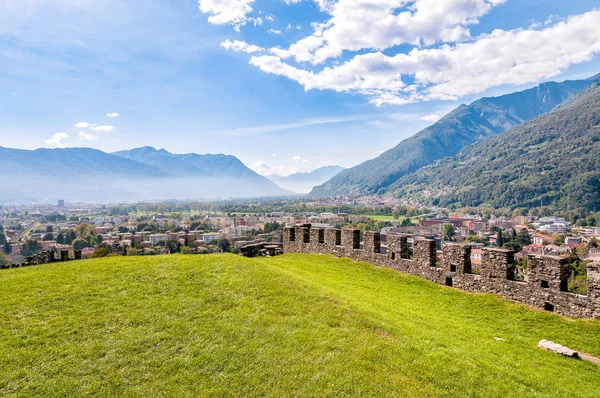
column 294, row 325
column 461, row 127
column 551, row 160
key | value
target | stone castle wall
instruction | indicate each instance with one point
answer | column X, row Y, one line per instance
column 547, row 279
column 46, row 257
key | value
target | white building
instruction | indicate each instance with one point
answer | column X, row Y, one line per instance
column 209, row 237
column 557, row 227
column 157, row 238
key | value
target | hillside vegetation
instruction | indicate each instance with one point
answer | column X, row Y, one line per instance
column 295, row 325
column 461, row 127
column 553, row 160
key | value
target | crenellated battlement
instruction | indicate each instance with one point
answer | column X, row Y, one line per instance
column 546, row 287
column 46, row 257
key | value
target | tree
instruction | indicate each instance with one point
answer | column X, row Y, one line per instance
column 99, row 252
column 49, row 228
column 582, row 252
column 406, row 222
column 559, row 240
column 396, row 214
column 224, row 245
column 48, row 237
column 7, row 248
column 3, row 258
column 499, row 238
column 80, row 243
column 2, row 239
column 31, row 248
column 448, row 231
column 474, row 238
column 70, row 237
column 593, row 242
column 60, row 238
column 513, row 245
column 523, row 238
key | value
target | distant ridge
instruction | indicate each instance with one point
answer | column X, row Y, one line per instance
column 85, row 174
column 458, row 129
column 305, row 182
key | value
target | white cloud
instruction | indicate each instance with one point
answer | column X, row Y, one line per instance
column 449, row 72
column 300, row 159
column 87, row 137
column 238, row 46
column 264, row 168
column 93, row 126
column 102, row 128
column 274, row 31
column 58, row 141
column 258, row 21
column 434, row 117
column 233, row 12
column 270, row 17
column 113, row 114
column 366, row 24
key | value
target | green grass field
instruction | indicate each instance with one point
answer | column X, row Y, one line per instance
column 294, row 325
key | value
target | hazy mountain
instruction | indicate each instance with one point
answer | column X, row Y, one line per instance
column 305, row 182
column 551, row 160
column 461, row 127
column 161, row 159
column 84, row 174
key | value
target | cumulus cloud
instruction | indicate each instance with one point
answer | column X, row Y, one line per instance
column 265, row 168
column 102, row 128
column 58, row 140
column 240, row 46
column 93, row 126
column 449, row 72
column 113, row 114
column 364, row 24
column 299, row 159
column 434, row 117
column 274, row 31
column 222, row 12
column 87, row 137
column 357, row 45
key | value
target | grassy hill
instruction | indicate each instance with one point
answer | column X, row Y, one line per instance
column 295, row 325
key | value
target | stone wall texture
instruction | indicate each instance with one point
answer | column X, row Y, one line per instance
column 46, row 257
column 545, row 288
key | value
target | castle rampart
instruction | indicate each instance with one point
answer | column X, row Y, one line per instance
column 546, row 287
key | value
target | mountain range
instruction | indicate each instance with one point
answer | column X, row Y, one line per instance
column 552, row 160
column 85, row 174
column 461, row 127
column 305, row 182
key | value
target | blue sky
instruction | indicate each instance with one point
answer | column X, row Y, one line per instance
column 284, row 85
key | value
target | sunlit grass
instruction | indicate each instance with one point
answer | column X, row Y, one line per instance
column 295, row 325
